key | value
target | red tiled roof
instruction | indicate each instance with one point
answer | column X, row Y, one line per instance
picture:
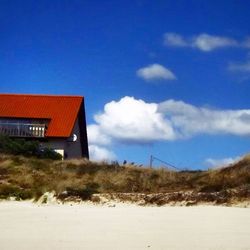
column 62, row 111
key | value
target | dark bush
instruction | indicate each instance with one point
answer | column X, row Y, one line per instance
column 7, row 191
column 83, row 193
column 47, row 153
column 212, row 188
column 26, row 148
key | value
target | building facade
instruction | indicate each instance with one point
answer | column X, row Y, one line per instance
column 57, row 122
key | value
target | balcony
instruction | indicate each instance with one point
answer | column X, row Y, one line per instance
column 23, row 130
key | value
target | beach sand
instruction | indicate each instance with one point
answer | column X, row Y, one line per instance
column 24, row 225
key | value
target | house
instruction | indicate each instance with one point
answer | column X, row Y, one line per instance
column 55, row 121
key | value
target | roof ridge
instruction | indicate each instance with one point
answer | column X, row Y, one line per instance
column 39, row 95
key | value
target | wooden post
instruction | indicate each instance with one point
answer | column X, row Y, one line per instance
column 151, row 161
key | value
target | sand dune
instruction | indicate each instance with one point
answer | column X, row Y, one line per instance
column 24, row 225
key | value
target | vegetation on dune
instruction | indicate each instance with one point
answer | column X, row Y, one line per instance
column 26, row 178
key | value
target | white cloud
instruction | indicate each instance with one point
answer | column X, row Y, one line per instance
column 95, row 136
column 173, row 39
column 98, row 153
column 188, row 120
column 131, row 120
column 203, row 42
column 155, row 72
column 207, row 42
column 240, row 67
column 215, row 163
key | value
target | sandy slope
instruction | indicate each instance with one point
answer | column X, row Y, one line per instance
column 24, row 225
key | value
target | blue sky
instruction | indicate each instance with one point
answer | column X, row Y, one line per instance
column 172, row 76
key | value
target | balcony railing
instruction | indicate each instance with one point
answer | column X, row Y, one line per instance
column 22, row 130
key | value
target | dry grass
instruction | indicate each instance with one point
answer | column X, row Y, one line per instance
column 27, row 178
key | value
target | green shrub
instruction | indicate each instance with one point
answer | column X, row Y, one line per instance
column 7, row 191
column 211, row 188
column 47, row 153
column 83, row 193
column 26, row 148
